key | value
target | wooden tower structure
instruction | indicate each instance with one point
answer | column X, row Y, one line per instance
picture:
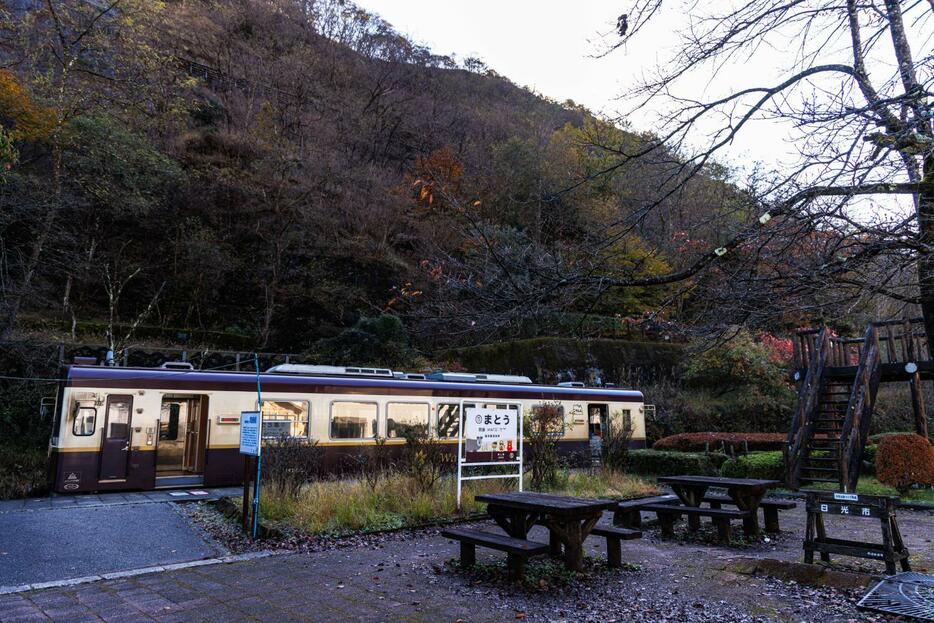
column 838, row 379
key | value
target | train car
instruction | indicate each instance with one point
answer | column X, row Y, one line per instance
column 149, row 428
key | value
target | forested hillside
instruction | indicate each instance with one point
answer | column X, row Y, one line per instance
column 280, row 169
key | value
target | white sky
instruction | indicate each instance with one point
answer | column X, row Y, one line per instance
column 550, row 48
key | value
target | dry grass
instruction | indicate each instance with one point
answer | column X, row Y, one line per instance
column 349, row 505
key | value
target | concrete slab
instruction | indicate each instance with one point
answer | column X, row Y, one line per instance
column 50, row 544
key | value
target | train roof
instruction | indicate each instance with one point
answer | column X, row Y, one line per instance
column 278, row 382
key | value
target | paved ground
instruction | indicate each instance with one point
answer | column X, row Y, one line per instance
column 69, row 537
column 404, row 578
column 117, row 499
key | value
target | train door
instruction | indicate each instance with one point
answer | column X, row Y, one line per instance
column 180, row 446
column 596, row 425
column 115, row 446
column 596, row 420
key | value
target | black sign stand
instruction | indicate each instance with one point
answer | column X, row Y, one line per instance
column 880, row 507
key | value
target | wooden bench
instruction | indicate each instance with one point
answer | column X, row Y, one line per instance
column 669, row 513
column 769, row 506
column 627, row 513
column 614, row 537
column 517, row 550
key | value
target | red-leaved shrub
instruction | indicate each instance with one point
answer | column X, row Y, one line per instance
column 904, row 460
column 696, row 442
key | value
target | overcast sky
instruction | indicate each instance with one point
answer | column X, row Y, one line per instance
column 550, row 48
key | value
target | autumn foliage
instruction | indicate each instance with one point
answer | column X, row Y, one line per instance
column 30, row 121
column 905, row 460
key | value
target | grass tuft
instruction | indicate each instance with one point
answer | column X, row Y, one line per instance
column 343, row 506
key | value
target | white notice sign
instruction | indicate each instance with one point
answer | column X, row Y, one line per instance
column 250, row 423
column 491, row 434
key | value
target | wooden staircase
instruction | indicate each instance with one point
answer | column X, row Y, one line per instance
column 838, row 382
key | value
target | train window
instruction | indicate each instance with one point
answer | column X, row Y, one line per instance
column 118, row 418
column 449, row 420
column 168, row 423
column 85, row 421
column 557, row 426
column 403, row 415
column 285, row 418
column 353, row 420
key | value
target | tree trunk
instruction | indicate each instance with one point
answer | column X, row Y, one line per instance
column 926, row 260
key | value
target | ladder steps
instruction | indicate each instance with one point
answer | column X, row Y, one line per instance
column 834, row 480
column 832, row 470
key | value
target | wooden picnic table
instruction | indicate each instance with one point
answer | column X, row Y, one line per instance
column 746, row 494
column 569, row 519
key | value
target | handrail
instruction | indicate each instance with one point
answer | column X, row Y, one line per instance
column 859, row 410
column 808, row 396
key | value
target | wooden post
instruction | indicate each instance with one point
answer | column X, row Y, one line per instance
column 248, row 470
column 917, row 396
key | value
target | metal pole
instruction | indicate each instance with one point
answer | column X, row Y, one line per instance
column 521, row 431
column 259, row 450
column 460, row 435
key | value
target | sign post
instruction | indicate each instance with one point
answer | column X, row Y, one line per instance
column 251, row 444
column 489, row 435
column 250, row 448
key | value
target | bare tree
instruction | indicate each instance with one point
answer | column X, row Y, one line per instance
column 829, row 231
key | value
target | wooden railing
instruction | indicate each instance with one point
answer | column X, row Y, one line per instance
column 859, row 409
column 901, row 341
column 808, row 398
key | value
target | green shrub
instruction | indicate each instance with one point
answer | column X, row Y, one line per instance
column 660, row 463
column 765, row 465
column 718, row 459
column 869, row 459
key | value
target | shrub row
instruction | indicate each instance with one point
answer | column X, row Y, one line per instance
column 764, row 465
column 661, row 463
column 698, row 442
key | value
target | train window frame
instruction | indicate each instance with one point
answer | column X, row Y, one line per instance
column 308, row 408
column 385, row 418
column 359, row 402
column 74, row 424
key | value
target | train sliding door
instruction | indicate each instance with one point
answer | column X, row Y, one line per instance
column 180, row 447
column 115, row 446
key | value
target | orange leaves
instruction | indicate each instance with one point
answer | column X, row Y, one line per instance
column 31, row 122
column 904, row 460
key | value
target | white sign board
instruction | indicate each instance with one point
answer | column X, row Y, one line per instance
column 491, row 434
column 488, row 437
column 250, row 424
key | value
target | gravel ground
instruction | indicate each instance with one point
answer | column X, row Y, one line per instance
column 686, row 579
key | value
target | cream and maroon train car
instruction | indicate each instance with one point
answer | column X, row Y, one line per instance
column 146, row 428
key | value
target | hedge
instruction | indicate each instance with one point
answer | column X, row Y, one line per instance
column 699, row 442
column 659, row 463
column 764, row 465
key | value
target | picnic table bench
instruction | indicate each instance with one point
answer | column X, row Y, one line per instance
column 770, row 508
column 569, row 519
column 614, row 537
column 628, row 512
column 517, row 550
column 745, row 493
column 669, row 513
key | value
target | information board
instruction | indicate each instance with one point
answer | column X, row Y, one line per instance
column 250, row 435
column 488, row 436
column 491, row 435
